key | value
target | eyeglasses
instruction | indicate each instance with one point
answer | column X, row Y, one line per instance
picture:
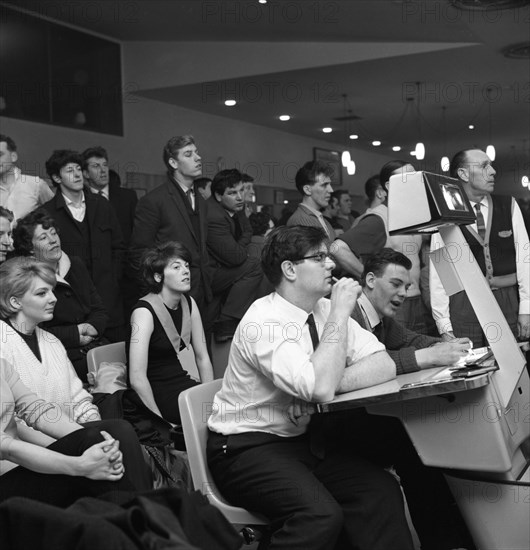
column 320, row 257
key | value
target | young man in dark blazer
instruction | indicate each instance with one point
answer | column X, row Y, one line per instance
column 236, row 276
column 89, row 229
column 174, row 212
column 101, row 182
column 106, row 183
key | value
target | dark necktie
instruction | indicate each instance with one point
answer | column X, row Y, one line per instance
column 481, row 226
column 238, row 231
column 188, row 194
column 313, row 331
column 378, row 330
column 317, row 425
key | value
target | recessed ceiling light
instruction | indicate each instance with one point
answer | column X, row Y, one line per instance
column 354, row 136
column 396, row 148
column 471, row 126
column 327, row 130
column 262, row 1
column 230, row 102
column 285, row 117
column 376, row 143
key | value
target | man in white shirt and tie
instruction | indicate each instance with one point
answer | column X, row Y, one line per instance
column 498, row 242
column 291, row 349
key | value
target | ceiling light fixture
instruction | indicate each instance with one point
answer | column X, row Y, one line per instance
column 444, row 163
column 376, row 143
column 285, row 118
column 471, row 126
column 345, row 158
column 354, row 136
column 230, row 102
column 396, row 148
column 420, row 147
column 490, row 149
column 327, row 130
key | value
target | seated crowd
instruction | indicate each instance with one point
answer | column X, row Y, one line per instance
column 193, row 261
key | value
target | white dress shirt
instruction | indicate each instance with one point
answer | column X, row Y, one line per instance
column 270, row 367
column 78, row 211
column 439, row 298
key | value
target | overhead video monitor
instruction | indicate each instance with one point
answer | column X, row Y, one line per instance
column 420, row 202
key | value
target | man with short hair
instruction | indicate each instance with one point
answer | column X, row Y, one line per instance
column 344, row 215
column 498, row 241
column 19, row 192
column 89, row 229
column 6, row 241
column 386, row 278
column 99, row 178
column 294, row 348
column 174, row 212
column 234, row 272
column 313, row 182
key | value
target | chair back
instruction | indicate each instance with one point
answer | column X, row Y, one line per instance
column 195, row 406
column 112, row 353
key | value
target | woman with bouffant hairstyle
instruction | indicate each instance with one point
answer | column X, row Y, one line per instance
column 164, row 323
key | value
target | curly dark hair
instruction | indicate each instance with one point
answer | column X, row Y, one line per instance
column 25, row 229
column 156, row 259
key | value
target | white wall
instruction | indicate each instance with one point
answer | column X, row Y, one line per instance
column 269, row 155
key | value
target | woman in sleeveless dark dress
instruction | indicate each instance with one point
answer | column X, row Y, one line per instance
column 154, row 367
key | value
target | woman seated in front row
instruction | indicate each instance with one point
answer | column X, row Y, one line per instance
column 82, row 460
column 26, row 298
column 163, row 324
column 79, row 318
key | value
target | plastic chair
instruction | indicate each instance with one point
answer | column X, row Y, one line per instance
column 111, row 353
column 195, row 406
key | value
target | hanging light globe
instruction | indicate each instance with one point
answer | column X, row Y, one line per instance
column 490, row 151
column 444, row 163
column 420, row 150
column 345, row 158
column 351, row 168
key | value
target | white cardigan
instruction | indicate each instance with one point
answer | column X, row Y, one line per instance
column 54, row 379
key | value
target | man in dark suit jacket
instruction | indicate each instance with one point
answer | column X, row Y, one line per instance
column 89, row 229
column 385, row 280
column 174, row 212
column 234, row 272
column 106, row 182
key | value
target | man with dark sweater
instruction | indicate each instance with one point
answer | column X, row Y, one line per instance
column 385, row 281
